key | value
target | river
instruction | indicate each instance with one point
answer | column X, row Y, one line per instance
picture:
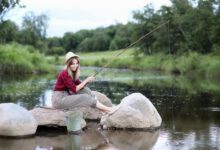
column 189, row 107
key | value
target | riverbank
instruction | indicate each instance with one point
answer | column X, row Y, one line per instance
column 185, row 64
column 16, row 58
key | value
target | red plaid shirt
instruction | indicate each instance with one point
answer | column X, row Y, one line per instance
column 65, row 82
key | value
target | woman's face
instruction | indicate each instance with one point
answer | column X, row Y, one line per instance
column 74, row 64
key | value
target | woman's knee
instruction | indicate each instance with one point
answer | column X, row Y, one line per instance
column 86, row 90
column 91, row 101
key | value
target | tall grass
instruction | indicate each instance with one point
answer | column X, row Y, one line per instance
column 186, row 64
column 190, row 63
column 15, row 58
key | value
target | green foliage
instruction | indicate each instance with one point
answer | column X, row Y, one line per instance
column 122, row 38
column 113, row 45
column 8, row 31
column 33, row 31
column 193, row 27
column 186, row 64
column 24, row 86
column 7, row 5
column 216, row 51
column 54, row 42
column 15, row 58
column 85, row 45
column 100, row 42
column 70, row 41
column 56, row 51
column 35, row 23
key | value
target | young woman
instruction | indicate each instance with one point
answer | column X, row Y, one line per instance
column 70, row 92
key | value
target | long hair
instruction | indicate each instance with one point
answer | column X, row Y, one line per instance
column 74, row 75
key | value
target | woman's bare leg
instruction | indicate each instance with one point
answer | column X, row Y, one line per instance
column 102, row 107
column 107, row 109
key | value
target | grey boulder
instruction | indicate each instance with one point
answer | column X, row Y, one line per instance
column 135, row 111
column 16, row 121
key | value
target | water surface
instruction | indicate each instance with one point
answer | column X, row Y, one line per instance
column 189, row 107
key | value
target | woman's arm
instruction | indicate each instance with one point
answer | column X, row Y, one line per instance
column 84, row 83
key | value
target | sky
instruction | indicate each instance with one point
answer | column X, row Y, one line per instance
column 74, row 15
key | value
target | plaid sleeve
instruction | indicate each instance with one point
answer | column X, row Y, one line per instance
column 67, row 80
column 77, row 82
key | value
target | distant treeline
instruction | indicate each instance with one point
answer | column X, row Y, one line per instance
column 194, row 25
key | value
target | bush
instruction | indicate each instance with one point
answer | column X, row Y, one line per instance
column 15, row 58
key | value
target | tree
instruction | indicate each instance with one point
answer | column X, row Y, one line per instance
column 101, row 42
column 54, row 42
column 7, row 5
column 56, row 50
column 181, row 26
column 8, row 31
column 85, row 45
column 145, row 21
column 36, row 23
column 215, row 30
column 28, row 37
column 33, row 31
column 70, row 41
column 193, row 26
column 122, row 37
column 111, row 31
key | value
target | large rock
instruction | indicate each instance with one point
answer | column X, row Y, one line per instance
column 102, row 98
column 16, row 121
column 136, row 111
column 49, row 117
column 52, row 117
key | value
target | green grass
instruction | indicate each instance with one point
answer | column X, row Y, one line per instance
column 186, row 64
column 16, row 58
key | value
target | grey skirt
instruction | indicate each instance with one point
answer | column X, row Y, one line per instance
column 83, row 98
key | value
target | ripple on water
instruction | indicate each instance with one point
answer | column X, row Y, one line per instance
column 211, row 108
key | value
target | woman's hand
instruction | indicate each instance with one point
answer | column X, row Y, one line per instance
column 90, row 79
column 84, row 83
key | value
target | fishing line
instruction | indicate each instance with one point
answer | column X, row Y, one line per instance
column 129, row 46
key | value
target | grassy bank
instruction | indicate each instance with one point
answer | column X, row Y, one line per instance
column 16, row 58
column 186, row 64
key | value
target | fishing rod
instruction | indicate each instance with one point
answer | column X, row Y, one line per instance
column 129, row 46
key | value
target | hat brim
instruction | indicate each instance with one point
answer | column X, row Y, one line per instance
column 75, row 56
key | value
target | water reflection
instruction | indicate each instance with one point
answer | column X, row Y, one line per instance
column 26, row 91
column 131, row 140
column 93, row 138
column 114, row 140
column 56, row 142
column 192, row 139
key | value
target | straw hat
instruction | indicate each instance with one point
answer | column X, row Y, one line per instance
column 70, row 55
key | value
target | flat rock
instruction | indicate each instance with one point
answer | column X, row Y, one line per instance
column 52, row 117
column 49, row 117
